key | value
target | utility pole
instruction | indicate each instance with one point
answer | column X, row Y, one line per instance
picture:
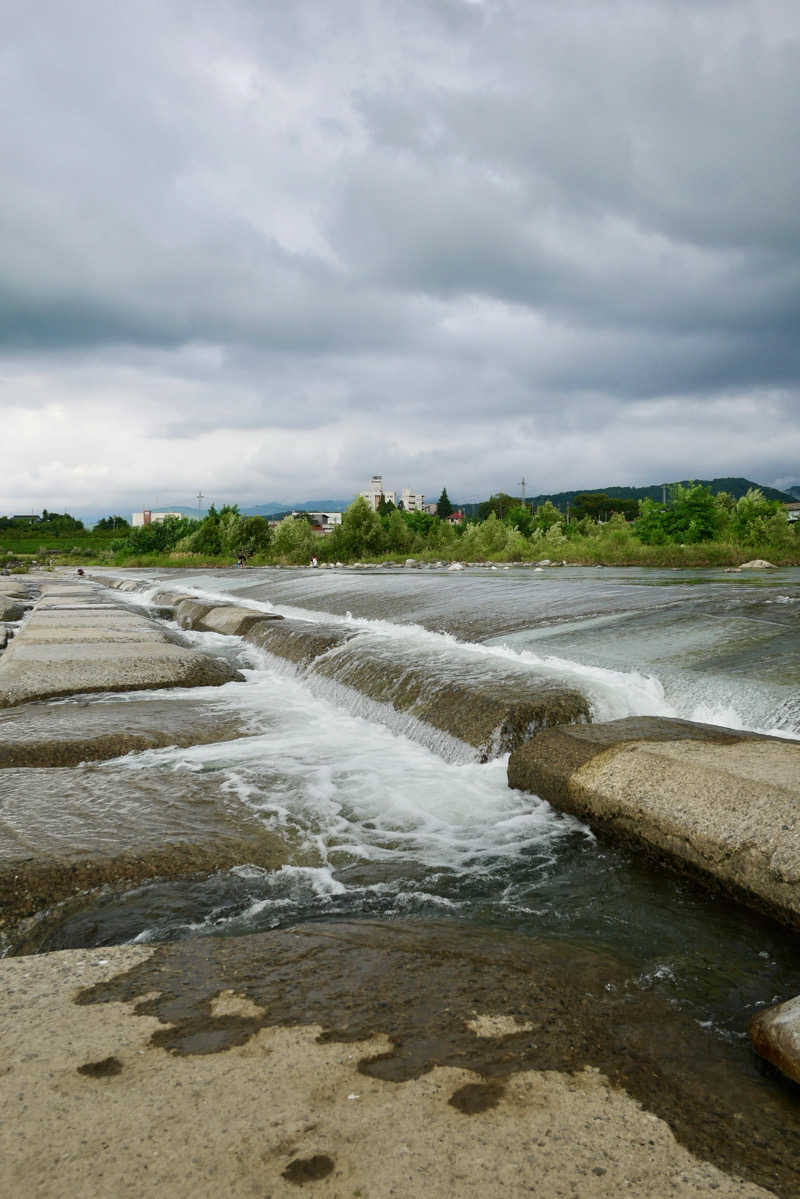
column 200, row 497
column 664, row 494
column 522, row 485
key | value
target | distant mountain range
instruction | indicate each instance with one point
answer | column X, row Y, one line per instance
column 736, row 487
column 274, row 509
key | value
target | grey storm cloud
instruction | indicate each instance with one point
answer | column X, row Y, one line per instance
column 460, row 240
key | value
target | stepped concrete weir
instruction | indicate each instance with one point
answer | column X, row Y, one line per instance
column 464, row 698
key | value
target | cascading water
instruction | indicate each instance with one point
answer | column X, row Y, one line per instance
column 388, row 815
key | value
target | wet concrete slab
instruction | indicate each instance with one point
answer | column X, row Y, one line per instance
column 79, row 639
column 64, row 733
column 66, row 831
column 419, row 1058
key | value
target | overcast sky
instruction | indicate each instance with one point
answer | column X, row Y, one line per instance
column 265, row 250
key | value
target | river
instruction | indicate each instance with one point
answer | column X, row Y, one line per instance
column 391, row 818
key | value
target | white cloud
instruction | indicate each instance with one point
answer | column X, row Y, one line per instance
column 267, row 250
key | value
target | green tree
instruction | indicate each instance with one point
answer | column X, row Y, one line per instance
column 443, row 506
column 691, row 516
column 158, row 537
column 546, row 516
column 362, row 531
column 293, row 540
column 651, row 525
column 492, row 536
column 398, row 533
column 520, row 517
column 500, row 504
column 110, row 523
column 600, row 506
column 750, row 520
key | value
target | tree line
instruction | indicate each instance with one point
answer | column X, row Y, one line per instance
column 505, row 529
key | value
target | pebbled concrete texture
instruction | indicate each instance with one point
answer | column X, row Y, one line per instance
column 720, row 803
column 264, row 1065
column 79, row 639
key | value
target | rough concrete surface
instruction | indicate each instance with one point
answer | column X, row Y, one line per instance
column 217, row 1068
column 79, row 639
column 81, row 730
column 233, row 620
column 189, row 611
column 723, row 804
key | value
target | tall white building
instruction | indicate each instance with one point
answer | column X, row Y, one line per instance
column 375, row 493
column 412, row 501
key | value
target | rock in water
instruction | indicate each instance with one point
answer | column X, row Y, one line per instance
column 775, row 1033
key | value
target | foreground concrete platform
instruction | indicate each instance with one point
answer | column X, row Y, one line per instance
column 79, row 639
column 368, row 1060
column 722, row 804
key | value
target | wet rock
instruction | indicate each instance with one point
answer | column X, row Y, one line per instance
column 79, row 639
column 493, row 714
column 775, row 1033
column 578, row 1017
column 718, row 803
column 12, row 609
column 297, row 640
column 35, row 672
column 233, row 620
column 64, row 833
column 12, row 589
column 190, row 612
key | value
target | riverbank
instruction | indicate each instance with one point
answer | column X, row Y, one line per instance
column 366, row 1059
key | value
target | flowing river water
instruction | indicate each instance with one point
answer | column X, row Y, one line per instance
column 389, row 817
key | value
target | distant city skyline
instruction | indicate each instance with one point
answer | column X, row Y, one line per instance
column 263, row 250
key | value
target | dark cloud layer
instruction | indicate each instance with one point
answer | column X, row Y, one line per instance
column 267, row 250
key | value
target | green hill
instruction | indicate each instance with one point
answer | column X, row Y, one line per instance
column 736, row 487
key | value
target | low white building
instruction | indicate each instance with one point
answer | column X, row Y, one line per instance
column 322, row 522
column 139, row 519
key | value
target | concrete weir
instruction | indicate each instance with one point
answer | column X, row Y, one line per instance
column 491, row 714
column 723, row 804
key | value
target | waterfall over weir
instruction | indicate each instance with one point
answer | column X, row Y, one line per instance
column 375, row 719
